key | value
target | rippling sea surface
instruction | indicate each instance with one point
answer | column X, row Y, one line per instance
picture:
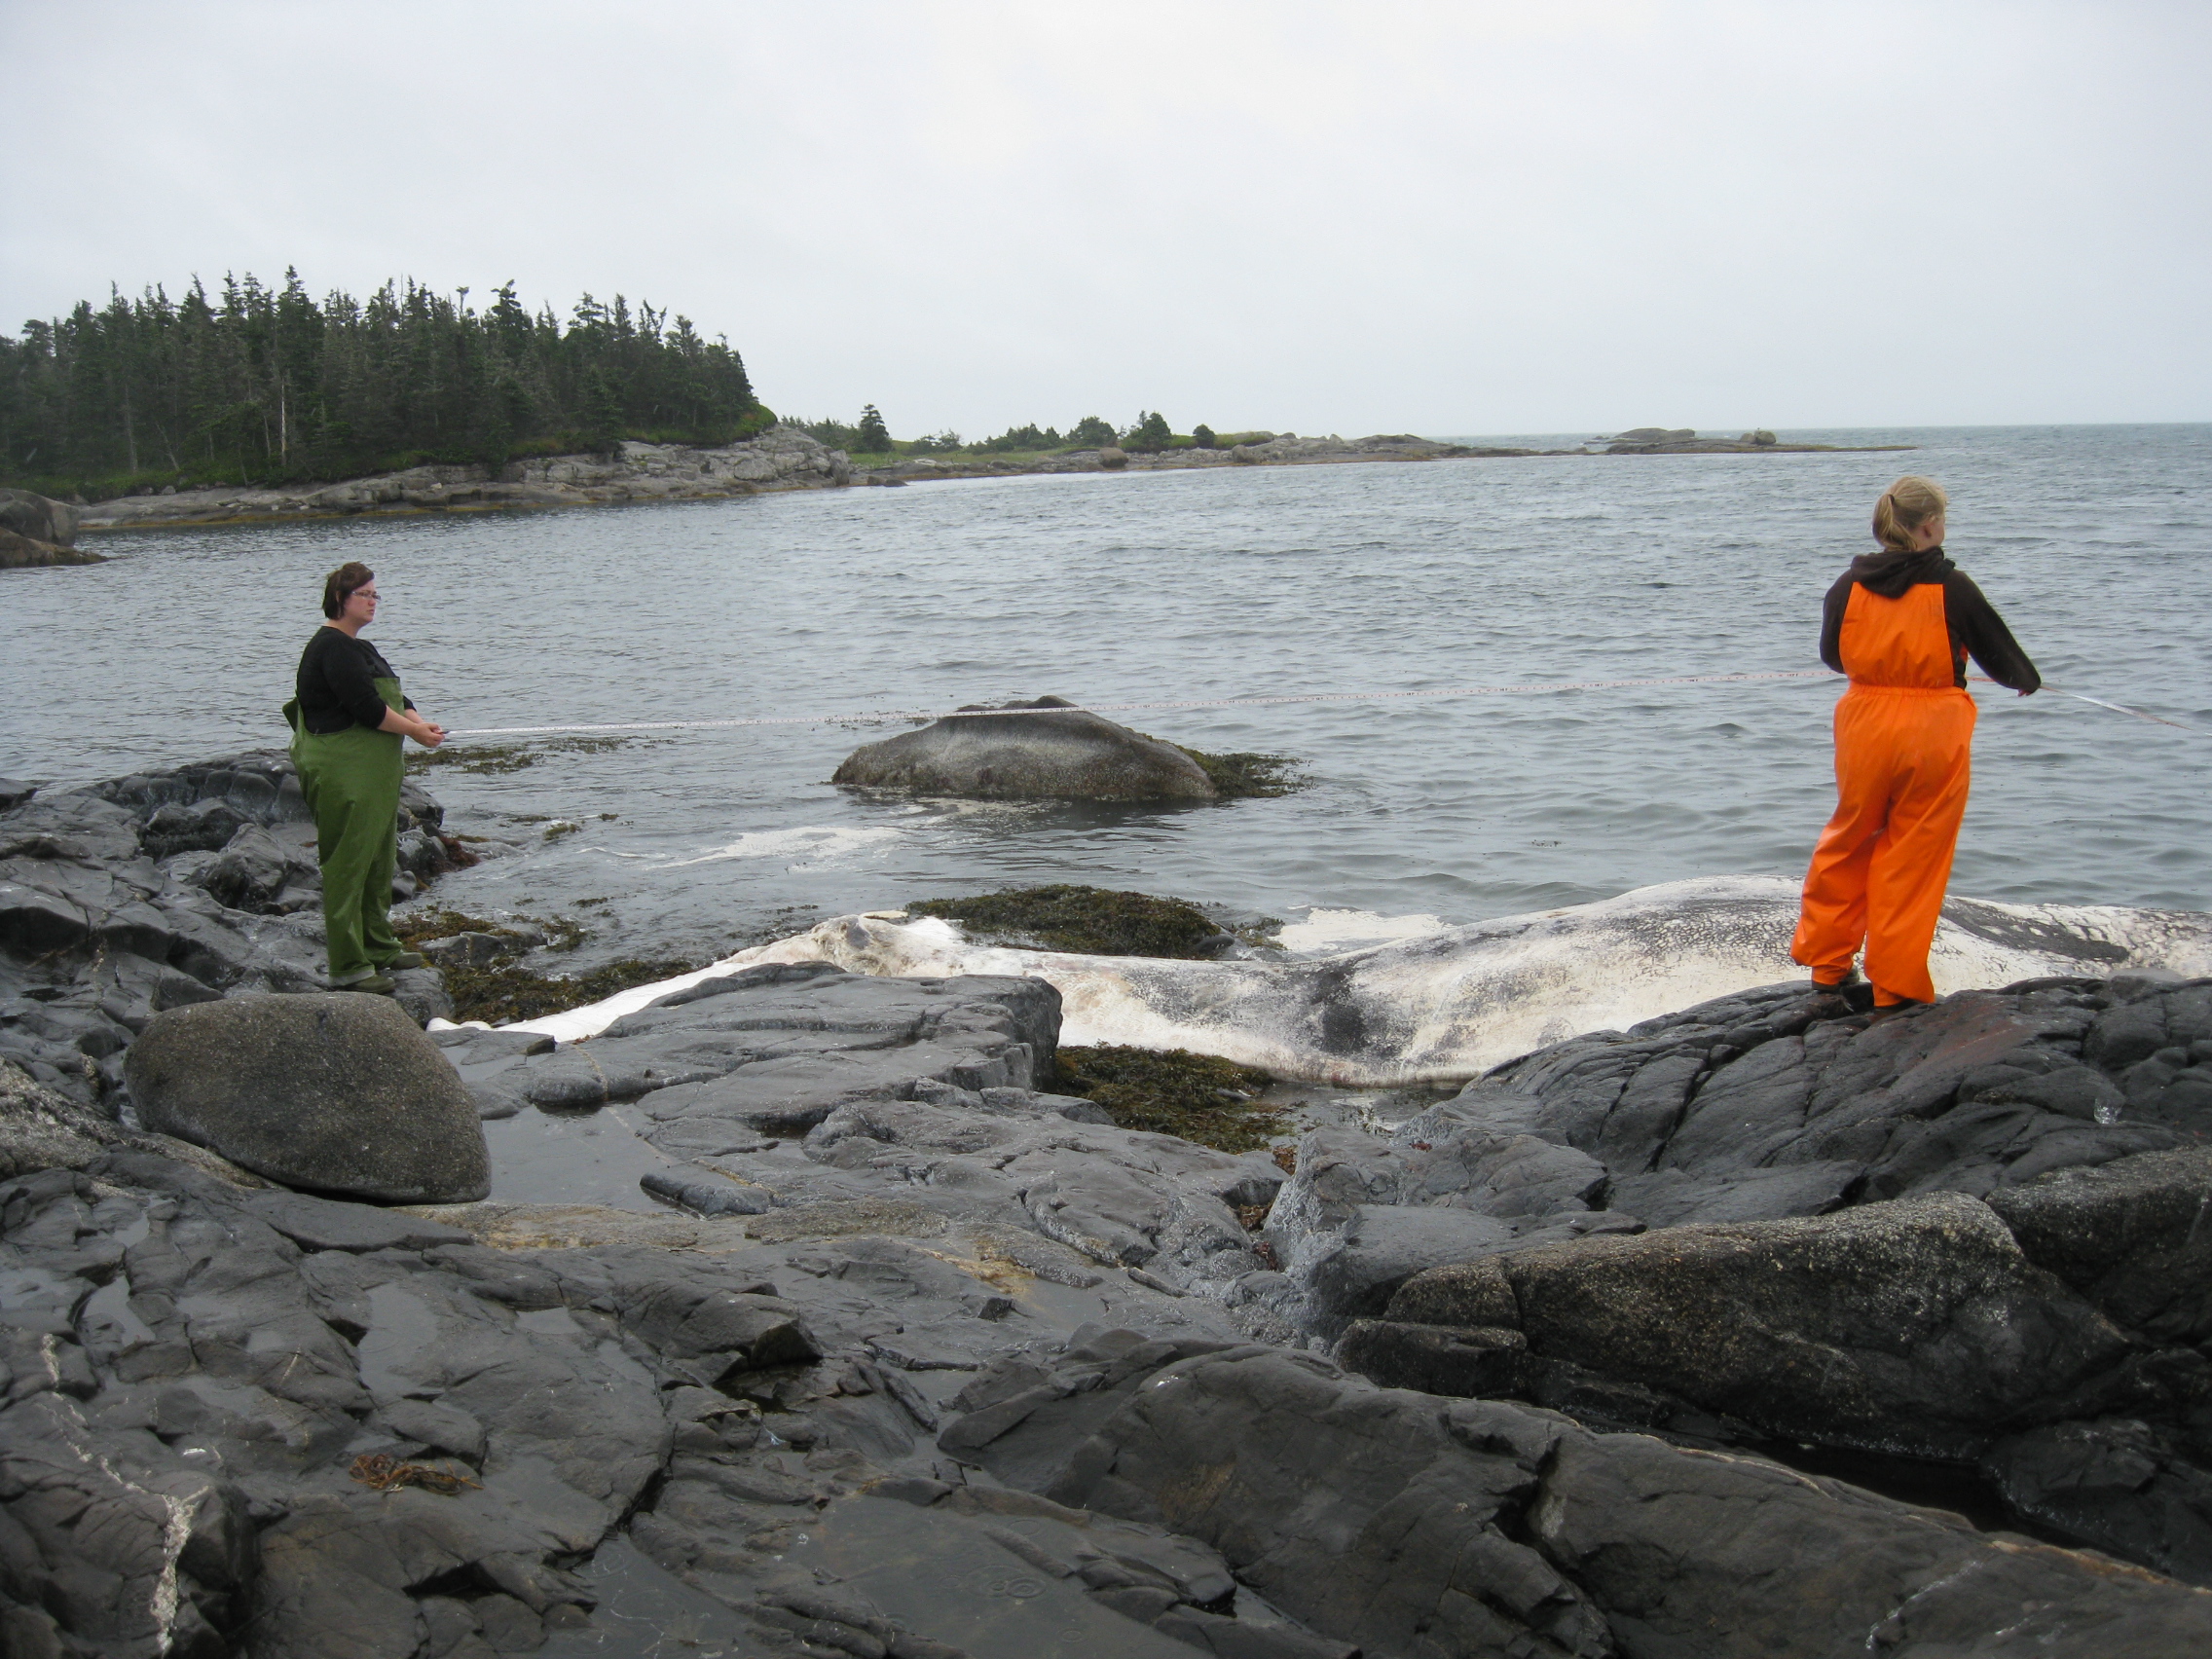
column 2095, row 543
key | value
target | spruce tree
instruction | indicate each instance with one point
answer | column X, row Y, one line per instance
column 1150, row 434
column 874, row 435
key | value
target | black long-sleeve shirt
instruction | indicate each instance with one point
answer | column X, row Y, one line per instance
column 336, row 684
column 1975, row 628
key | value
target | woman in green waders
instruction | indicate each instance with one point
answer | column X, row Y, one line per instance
column 349, row 723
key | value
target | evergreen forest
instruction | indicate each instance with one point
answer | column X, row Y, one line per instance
column 258, row 384
column 1149, row 433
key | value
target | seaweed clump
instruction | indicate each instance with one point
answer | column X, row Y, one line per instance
column 493, row 758
column 499, row 994
column 501, row 990
column 1092, row 921
column 1172, row 1092
column 1237, row 776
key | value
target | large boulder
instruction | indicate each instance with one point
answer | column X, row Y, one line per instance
column 995, row 755
column 30, row 514
column 36, row 531
column 336, row 1090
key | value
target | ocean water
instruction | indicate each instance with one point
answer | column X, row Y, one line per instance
column 2096, row 542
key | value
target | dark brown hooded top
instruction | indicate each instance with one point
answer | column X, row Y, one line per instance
column 1975, row 628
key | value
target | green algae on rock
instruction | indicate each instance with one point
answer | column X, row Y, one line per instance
column 1089, row 921
column 1199, row 1097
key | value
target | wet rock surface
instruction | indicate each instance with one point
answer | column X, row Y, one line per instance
column 1972, row 1235
column 1410, row 1524
column 892, row 1347
column 195, row 1371
column 962, row 1372
column 804, row 1088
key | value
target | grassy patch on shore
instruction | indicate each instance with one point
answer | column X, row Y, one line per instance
column 1199, row 1097
column 1090, row 921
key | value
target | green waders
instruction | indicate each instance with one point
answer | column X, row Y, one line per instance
column 351, row 780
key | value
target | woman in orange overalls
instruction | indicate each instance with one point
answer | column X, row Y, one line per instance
column 1902, row 622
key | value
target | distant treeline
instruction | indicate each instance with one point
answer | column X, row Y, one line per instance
column 259, row 384
column 1148, row 431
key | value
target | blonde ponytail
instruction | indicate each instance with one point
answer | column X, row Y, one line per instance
column 1906, row 505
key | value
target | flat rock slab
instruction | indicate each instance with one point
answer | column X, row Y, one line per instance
column 338, row 1091
column 773, row 1051
column 966, row 1582
column 320, row 1224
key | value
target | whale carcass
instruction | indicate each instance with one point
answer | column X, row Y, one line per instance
column 1449, row 1005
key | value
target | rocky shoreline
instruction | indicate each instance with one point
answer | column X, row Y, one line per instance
column 782, row 458
column 1614, row 1352
column 779, row 459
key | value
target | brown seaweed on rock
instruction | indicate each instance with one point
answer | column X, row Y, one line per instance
column 1089, row 921
column 497, row 989
column 1199, row 1097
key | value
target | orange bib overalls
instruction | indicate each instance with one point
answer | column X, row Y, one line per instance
column 1904, row 745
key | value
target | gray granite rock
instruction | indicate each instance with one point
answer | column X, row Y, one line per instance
column 336, row 1091
column 1917, row 1323
column 803, row 1427
column 320, row 1224
column 1409, row 1526
column 1070, row 756
column 40, row 518
column 2134, row 1235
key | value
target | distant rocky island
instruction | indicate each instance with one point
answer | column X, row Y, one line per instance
column 1685, row 440
column 788, row 457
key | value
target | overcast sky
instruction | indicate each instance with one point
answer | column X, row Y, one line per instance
column 1463, row 218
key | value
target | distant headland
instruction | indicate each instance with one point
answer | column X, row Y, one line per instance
column 258, row 401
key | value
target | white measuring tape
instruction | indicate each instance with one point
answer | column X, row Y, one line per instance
column 887, row 716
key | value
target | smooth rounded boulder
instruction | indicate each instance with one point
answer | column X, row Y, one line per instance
column 1002, row 754
column 338, row 1092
